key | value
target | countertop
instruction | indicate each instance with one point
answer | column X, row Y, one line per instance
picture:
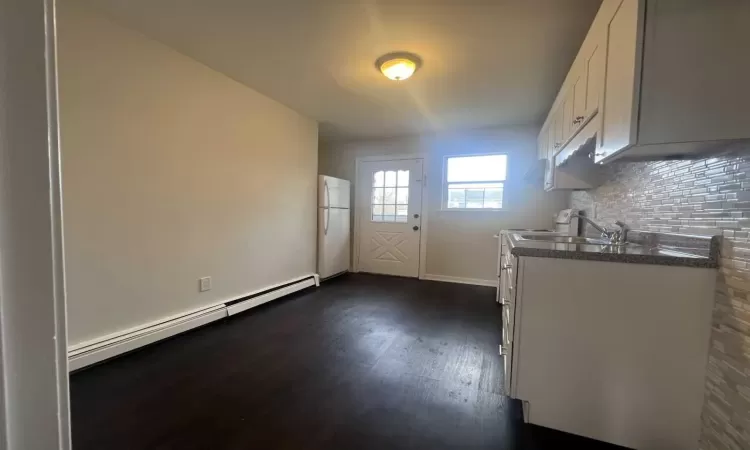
column 643, row 248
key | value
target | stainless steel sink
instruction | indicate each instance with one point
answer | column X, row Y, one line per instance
column 562, row 239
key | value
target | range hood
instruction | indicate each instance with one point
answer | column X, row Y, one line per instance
column 573, row 167
column 535, row 173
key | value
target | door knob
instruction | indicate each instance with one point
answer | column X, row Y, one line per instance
column 416, row 216
column 415, row 228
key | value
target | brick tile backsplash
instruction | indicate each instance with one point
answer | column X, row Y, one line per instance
column 708, row 197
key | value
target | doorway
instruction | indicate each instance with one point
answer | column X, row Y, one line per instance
column 389, row 215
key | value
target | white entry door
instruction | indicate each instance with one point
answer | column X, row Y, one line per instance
column 390, row 216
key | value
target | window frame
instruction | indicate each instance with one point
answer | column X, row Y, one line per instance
column 444, row 181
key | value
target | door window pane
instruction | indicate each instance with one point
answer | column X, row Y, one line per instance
column 402, row 196
column 378, row 179
column 377, row 196
column 389, row 213
column 403, row 178
column 390, row 178
column 390, row 196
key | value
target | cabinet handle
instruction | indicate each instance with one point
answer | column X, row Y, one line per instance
column 506, row 267
column 600, row 154
column 579, row 119
column 557, row 145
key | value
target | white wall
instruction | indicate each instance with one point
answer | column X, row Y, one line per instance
column 33, row 370
column 171, row 172
column 460, row 243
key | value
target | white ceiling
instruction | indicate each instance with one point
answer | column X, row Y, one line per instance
column 486, row 62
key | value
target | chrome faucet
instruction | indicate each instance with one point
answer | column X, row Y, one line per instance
column 619, row 236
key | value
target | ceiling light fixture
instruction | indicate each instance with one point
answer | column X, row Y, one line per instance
column 398, row 66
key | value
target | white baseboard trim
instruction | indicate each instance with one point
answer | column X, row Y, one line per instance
column 96, row 350
column 252, row 302
column 130, row 341
column 447, row 279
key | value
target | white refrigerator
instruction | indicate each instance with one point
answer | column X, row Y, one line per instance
column 333, row 226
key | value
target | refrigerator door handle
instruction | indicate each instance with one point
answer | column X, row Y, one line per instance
column 327, row 195
column 328, row 219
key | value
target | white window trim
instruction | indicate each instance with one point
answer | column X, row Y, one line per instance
column 444, row 183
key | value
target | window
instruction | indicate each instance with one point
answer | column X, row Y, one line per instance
column 474, row 182
column 390, row 196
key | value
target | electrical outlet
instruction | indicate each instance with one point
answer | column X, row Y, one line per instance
column 204, row 284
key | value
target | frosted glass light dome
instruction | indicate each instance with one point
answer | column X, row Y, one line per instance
column 398, row 66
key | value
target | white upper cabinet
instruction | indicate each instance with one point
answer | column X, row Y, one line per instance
column 620, row 81
column 657, row 78
column 696, row 71
column 578, row 89
column 594, row 73
column 567, row 112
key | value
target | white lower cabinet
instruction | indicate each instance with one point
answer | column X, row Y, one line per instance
column 608, row 350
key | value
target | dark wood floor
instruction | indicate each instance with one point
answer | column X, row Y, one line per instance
column 363, row 362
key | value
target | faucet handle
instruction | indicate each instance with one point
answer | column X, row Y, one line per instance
column 621, row 235
column 622, row 225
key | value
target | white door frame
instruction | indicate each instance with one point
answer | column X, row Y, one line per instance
column 33, row 341
column 423, row 207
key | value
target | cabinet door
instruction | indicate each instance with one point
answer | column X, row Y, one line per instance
column 543, row 143
column 579, row 101
column 551, row 136
column 549, row 174
column 696, row 70
column 556, row 132
column 622, row 79
column 567, row 114
column 594, row 81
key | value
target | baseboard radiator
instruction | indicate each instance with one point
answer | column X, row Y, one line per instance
column 92, row 352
